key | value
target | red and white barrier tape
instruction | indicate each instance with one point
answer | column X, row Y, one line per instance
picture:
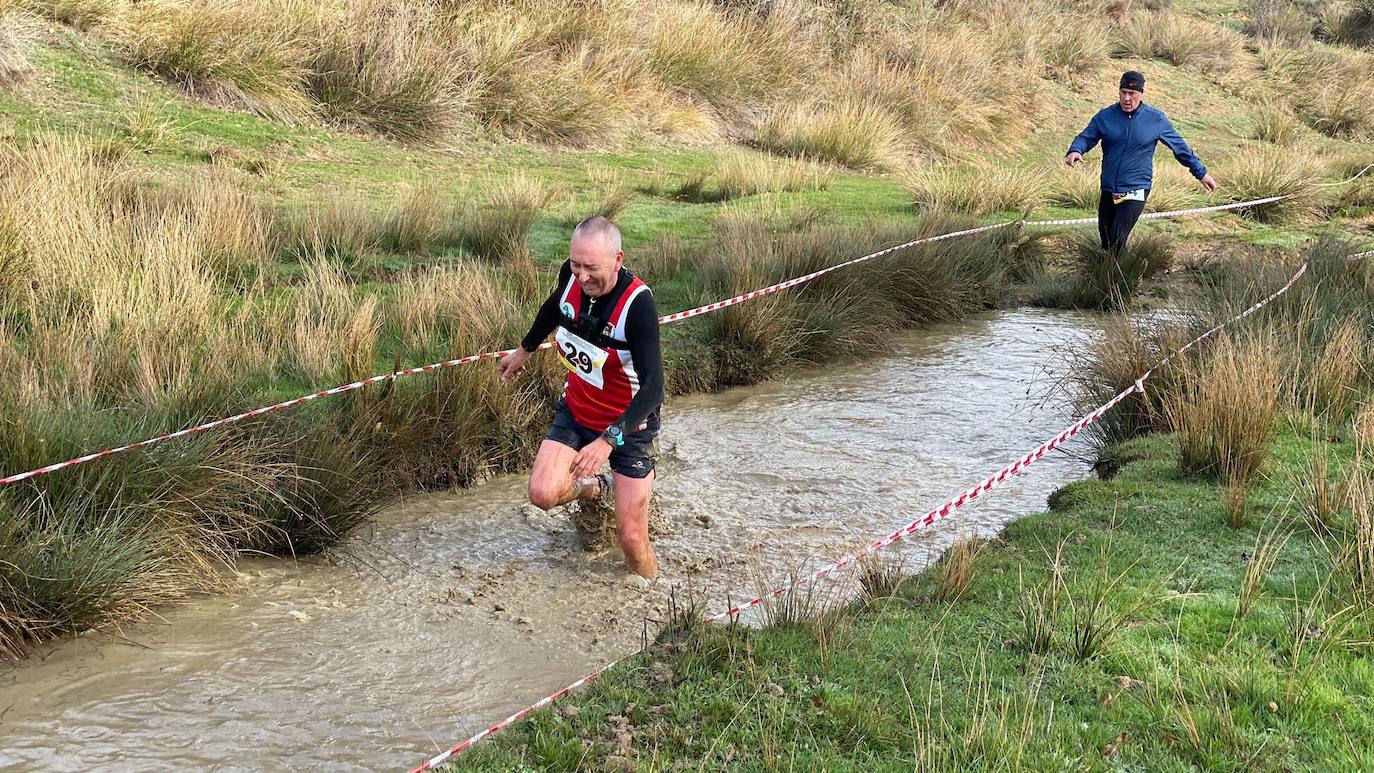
column 1170, row 213
column 944, row 510
column 677, row 317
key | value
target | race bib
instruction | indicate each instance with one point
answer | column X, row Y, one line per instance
column 582, row 358
column 1135, row 195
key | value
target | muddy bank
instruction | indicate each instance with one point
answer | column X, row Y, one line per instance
column 453, row 609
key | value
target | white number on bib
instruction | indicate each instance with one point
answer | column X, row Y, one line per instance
column 582, row 358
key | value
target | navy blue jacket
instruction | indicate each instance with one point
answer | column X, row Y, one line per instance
column 1128, row 146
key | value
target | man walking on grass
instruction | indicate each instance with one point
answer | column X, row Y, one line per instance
column 1128, row 131
column 607, row 338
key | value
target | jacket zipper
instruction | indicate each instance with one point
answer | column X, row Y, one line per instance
column 1125, row 143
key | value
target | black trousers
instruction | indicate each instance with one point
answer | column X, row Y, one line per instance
column 1115, row 221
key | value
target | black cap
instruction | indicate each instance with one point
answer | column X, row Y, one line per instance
column 1135, row 81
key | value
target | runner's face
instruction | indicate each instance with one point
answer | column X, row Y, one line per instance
column 595, row 267
column 1130, row 99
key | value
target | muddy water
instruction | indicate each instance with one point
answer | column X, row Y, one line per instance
column 454, row 609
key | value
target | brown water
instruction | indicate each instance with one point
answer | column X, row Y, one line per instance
column 452, row 610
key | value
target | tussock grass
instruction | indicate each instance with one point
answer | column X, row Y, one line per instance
column 1262, row 171
column 723, row 59
column 740, row 174
column 1350, row 24
column 879, row 578
column 861, row 135
column 423, row 218
column 245, row 55
column 1182, row 41
column 1322, row 85
column 1357, row 559
column 955, row 569
column 1224, row 413
column 1174, row 188
column 756, row 341
column 384, row 65
column 1263, row 555
column 1275, row 22
column 1338, row 371
column 16, row 42
column 1317, row 497
column 337, row 225
column 1077, row 188
column 1039, row 605
column 521, row 88
column 1275, row 123
column 1115, row 360
column 82, row 14
column 1097, row 610
column 975, row 191
column 613, row 202
column 497, row 227
column 1237, row 514
column 1104, row 279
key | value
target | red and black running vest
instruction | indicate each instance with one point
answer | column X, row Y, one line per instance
column 601, row 375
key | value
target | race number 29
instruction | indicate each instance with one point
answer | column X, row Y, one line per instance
column 582, row 358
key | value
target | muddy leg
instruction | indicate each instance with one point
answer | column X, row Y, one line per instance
column 551, row 481
column 632, row 523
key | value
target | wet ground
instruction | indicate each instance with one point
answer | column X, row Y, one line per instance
column 452, row 610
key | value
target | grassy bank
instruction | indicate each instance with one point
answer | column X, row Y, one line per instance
column 1129, row 628
column 1210, row 603
column 208, row 209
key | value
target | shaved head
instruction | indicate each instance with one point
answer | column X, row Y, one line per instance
column 594, row 255
column 599, row 230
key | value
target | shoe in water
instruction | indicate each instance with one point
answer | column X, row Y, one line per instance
column 594, row 519
column 634, row 581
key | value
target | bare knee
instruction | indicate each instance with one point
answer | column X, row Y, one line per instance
column 543, row 496
column 632, row 541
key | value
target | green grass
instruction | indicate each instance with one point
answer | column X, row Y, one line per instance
column 80, row 86
column 1178, row 682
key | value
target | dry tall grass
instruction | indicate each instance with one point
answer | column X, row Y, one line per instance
column 955, row 570
column 1322, row 83
column 1115, row 360
column 1183, row 41
column 1276, row 123
column 248, row 55
column 16, row 40
column 1338, row 371
column 82, row 14
column 975, row 191
column 497, row 225
column 385, row 65
column 1262, row 171
column 740, row 174
column 1224, row 413
column 862, row 135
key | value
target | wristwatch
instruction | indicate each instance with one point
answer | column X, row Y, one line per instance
column 614, row 436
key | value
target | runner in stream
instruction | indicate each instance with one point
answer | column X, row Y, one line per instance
column 608, row 339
